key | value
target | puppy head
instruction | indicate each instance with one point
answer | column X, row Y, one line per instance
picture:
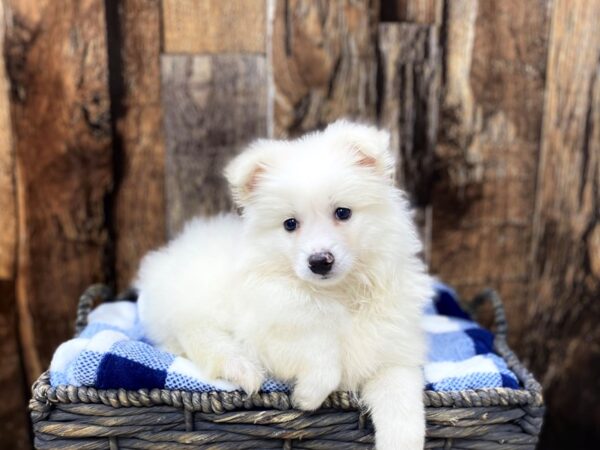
column 316, row 207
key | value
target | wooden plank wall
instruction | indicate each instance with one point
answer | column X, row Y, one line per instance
column 410, row 71
column 563, row 303
column 138, row 202
column 8, row 220
column 514, row 197
column 13, row 418
column 117, row 117
column 324, row 63
column 63, row 157
column 488, row 144
column 214, row 85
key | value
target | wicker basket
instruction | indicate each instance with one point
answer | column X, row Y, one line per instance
column 87, row 418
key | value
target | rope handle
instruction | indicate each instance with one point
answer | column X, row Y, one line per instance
column 94, row 295
column 500, row 322
column 501, row 344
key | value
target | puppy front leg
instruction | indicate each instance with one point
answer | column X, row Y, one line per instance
column 319, row 376
column 216, row 352
column 314, row 385
column 395, row 398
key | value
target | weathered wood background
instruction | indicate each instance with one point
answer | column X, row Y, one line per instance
column 116, row 118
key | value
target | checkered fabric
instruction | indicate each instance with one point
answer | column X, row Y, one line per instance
column 113, row 353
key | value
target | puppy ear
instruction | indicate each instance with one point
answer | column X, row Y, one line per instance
column 370, row 146
column 244, row 171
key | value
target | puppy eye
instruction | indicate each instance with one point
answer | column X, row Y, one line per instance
column 343, row 213
column 290, row 224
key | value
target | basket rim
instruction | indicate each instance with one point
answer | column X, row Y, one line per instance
column 45, row 396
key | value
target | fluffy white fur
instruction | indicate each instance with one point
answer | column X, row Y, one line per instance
column 237, row 296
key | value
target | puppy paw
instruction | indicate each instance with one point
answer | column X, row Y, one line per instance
column 308, row 398
column 243, row 372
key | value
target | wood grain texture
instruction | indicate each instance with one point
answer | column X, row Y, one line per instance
column 14, row 424
column 564, row 349
column 214, row 105
column 324, row 63
column 138, row 214
column 410, row 74
column 8, row 217
column 488, row 144
column 56, row 60
column 214, row 26
column 415, row 11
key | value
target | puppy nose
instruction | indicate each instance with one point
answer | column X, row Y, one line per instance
column 321, row 263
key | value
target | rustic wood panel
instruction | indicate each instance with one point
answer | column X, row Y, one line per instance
column 410, row 73
column 489, row 137
column 564, row 349
column 214, row 104
column 14, row 424
column 324, row 63
column 8, row 218
column 417, row 11
column 138, row 222
column 214, row 26
column 13, row 419
column 56, row 60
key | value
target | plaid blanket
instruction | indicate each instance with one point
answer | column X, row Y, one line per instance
column 113, row 353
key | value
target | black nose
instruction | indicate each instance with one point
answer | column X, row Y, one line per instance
column 321, row 263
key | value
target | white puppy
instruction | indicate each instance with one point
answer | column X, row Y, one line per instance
column 318, row 283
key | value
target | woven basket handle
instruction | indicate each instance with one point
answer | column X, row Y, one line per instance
column 500, row 341
column 500, row 323
column 95, row 294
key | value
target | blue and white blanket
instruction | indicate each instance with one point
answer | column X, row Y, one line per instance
column 112, row 353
